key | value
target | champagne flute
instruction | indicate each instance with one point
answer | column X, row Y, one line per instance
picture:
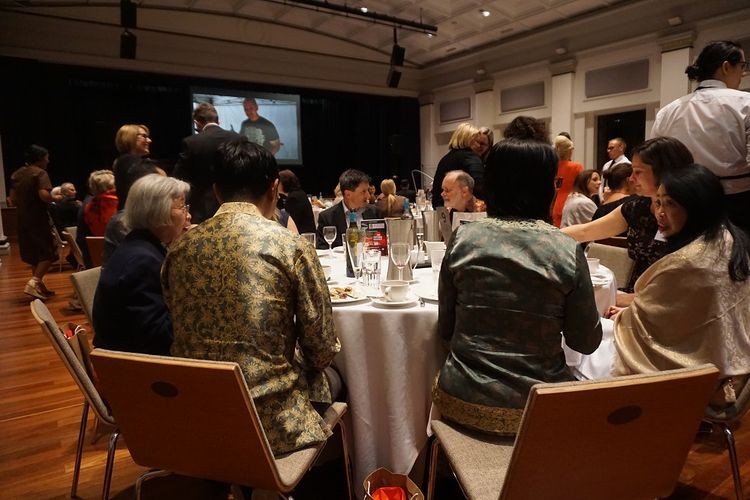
column 356, row 253
column 329, row 234
column 400, row 256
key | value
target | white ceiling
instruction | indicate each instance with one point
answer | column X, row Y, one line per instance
column 517, row 31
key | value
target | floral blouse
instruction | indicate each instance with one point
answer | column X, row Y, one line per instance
column 642, row 228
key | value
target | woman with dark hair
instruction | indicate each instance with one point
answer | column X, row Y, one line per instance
column 579, row 207
column 714, row 122
column 295, row 201
column 527, row 128
column 617, row 179
column 30, row 192
column 650, row 160
column 509, row 284
column 692, row 306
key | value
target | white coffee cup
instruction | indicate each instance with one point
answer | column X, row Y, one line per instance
column 394, row 290
column 593, row 264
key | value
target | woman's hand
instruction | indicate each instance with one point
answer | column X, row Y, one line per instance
column 613, row 311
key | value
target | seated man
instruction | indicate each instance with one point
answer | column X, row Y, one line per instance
column 355, row 187
column 65, row 211
column 240, row 287
column 458, row 193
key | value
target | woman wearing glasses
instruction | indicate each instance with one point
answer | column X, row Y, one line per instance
column 129, row 310
column 714, row 122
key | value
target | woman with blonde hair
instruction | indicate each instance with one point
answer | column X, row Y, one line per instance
column 459, row 157
column 103, row 205
column 567, row 171
column 133, row 142
column 389, row 203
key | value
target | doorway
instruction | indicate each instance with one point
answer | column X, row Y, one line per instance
column 630, row 126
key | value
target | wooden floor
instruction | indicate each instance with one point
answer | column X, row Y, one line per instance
column 40, row 410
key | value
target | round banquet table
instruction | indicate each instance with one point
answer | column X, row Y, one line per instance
column 389, row 358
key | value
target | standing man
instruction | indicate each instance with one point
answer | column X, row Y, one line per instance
column 258, row 129
column 355, row 187
column 30, row 192
column 197, row 158
column 240, row 287
column 616, row 152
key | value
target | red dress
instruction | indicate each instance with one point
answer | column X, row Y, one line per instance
column 97, row 213
column 568, row 171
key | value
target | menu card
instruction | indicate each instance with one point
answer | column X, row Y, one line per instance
column 376, row 235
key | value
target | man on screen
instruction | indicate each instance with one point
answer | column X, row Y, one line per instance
column 258, row 129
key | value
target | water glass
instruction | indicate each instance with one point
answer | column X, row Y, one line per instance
column 372, row 268
column 436, row 258
column 329, row 234
column 309, row 237
column 399, row 253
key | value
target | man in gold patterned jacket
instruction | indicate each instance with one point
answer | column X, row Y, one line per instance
column 240, row 287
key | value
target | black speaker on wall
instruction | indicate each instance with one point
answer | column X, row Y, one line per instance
column 128, row 15
column 128, row 42
column 394, row 76
column 397, row 55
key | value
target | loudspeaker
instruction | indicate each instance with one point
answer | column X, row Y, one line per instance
column 127, row 45
column 397, row 55
column 128, row 17
column 394, row 76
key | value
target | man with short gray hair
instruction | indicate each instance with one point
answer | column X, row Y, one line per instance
column 458, row 192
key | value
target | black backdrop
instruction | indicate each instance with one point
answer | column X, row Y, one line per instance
column 76, row 111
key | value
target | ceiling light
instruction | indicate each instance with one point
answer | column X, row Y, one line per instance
column 363, row 9
column 484, row 12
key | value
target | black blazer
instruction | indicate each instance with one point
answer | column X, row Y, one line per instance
column 196, row 166
column 299, row 208
column 335, row 216
column 458, row 159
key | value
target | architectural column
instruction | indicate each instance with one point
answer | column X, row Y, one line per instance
column 484, row 103
column 676, row 55
column 561, row 97
column 427, row 134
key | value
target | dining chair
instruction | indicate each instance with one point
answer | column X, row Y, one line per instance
column 618, row 438
column 63, row 248
column 77, row 367
column 69, row 236
column 724, row 418
column 95, row 245
column 85, row 283
column 197, row 418
column 615, row 259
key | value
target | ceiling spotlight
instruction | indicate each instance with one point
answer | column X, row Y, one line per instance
column 363, row 9
column 675, row 21
column 560, row 51
column 484, row 12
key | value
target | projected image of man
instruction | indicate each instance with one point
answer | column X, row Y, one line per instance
column 258, row 129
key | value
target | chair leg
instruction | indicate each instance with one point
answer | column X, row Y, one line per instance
column 145, row 477
column 733, row 460
column 110, row 463
column 435, row 451
column 79, row 448
column 347, row 461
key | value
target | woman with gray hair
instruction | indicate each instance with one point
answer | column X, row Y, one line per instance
column 129, row 310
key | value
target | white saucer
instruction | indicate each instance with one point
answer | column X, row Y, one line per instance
column 427, row 294
column 410, row 300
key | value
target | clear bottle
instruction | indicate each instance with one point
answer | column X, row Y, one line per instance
column 352, row 237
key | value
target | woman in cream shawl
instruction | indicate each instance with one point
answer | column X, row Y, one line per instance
column 692, row 306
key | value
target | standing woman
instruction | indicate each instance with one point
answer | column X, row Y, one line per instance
column 30, row 192
column 714, row 123
column 132, row 140
column 459, row 157
column 579, row 206
column 567, row 171
column 482, row 142
column 389, row 203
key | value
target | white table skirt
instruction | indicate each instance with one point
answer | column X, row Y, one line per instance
column 388, row 360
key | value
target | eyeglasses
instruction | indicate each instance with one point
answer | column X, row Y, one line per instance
column 184, row 208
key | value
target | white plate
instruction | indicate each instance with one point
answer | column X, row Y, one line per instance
column 357, row 295
column 427, row 294
column 339, row 249
column 410, row 299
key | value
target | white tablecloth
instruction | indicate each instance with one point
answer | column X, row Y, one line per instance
column 388, row 360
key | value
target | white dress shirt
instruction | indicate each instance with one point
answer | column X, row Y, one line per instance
column 714, row 123
column 607, row 166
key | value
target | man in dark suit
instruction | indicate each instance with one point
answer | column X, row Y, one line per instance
column 196, row 162
column 354, row 188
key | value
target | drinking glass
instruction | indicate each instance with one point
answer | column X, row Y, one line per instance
column 329, row 234
column 372, row 267
column 309, row 237
column 400, row 255
column 436, row 259
column 356, row 253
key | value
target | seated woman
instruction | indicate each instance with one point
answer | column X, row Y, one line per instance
column 617, row 179
column 693, row 305
column 580, row 207
column 103, row 205
column 129, row 310
column 296, row 202
column 389, row 203
column 650, row 160
column 509, row 284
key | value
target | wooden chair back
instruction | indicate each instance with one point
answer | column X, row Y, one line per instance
column 95, row 245
column 620, row 438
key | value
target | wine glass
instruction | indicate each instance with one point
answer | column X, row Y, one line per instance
column 436, row 258
column 356, row 253
column 400, row 256
column 329, row 234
